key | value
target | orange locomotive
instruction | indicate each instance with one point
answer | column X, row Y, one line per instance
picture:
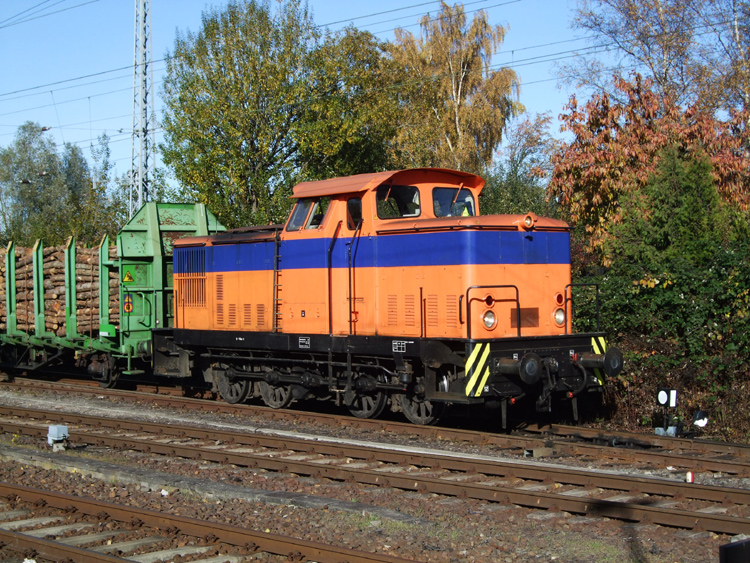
column 388, row 289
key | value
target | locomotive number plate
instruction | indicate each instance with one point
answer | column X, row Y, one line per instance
column 400, row 345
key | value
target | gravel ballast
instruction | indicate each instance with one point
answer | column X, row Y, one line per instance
column 421, row 527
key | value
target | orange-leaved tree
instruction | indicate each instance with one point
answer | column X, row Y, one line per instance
column 616, row 148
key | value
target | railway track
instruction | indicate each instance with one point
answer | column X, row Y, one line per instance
column 57, row 526
column 530, row 484
column 584, row 445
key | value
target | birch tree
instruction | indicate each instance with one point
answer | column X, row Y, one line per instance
column 454, row 106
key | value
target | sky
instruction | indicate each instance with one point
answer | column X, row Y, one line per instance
column 68, row 64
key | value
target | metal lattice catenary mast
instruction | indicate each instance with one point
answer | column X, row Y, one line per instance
column 143, row 109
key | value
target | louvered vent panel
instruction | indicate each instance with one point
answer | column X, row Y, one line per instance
column 232, row 314
column 393, row 310
column 432, row 311
column 220, row 287
column 451, row 311
column 410, row 313
column 220, row 314
column 247, row 317
column 191, row 276
column 260, row 315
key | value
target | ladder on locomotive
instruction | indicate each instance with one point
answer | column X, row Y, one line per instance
column 277, row 283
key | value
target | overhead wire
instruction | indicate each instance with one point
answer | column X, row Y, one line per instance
column 26, row 10
column 48, row 14
column 546, row 58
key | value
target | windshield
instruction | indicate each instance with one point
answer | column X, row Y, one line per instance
column 453, row 202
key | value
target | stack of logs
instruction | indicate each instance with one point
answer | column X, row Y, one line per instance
column 53, row 269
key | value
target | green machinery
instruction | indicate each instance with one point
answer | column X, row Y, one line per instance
column 142, row 270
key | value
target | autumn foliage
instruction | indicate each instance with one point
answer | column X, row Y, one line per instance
column 617, row 146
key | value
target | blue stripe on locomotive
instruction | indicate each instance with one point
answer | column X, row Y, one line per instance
column 408, row 250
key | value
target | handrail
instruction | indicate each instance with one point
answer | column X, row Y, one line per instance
column 355, row 237
column 330, row 281
column 468, row 306
column 150, row 307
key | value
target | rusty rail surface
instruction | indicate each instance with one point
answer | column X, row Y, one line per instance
column 252, row 541
column 650, row 451
column 479, row 477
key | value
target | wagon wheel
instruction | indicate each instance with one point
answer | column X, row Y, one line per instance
column 419, row 410
column 109, row 374
column 368, row 404
column 233, row 391
column 275, row 396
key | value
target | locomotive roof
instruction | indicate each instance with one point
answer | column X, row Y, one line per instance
column 364, row 182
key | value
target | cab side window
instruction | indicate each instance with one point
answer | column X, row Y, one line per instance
column 308, row 213
column 318, row 212
column 353, row 213
column 299, row 214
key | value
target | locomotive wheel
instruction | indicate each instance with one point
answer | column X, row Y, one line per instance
column 419, row 410
column 275, row 396
column 368, row 405
column 232, row 392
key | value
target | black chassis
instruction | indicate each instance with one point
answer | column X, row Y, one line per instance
column 403, row 358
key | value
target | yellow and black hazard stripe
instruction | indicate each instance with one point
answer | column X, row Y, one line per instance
column 477, row 369
column 599, row 346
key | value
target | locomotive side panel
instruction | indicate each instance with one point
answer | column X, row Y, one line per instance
column 449, row 279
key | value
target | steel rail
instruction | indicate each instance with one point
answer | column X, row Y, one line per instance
column 640, row 439
column 384, row 453
column 637, row 511
column 227, row 533
column 624, row 455
column 53, row 550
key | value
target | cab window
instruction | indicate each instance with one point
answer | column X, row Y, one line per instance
column 353, row 213
column 453, row 202
column 398, row 201
column 308, row 213
column 299, row 214
column 318, row 212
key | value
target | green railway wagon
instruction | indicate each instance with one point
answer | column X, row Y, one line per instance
column 96, row 311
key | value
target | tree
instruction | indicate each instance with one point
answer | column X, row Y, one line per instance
column 616, row 147
column 350, row 119
column 655, row 37
column 676, row 293
column 33, row 187
column 695, row 51
column 453, row 107
column 677, row 215
column 51, row 196
column 724, row 63
column 517, row 183
column 234, row 94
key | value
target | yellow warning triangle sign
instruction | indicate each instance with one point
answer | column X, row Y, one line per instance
column 128, row 277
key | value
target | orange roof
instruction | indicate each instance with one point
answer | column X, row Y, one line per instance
column 364, row 182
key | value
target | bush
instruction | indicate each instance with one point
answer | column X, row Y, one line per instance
column 677, row 298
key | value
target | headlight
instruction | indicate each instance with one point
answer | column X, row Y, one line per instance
column 489, row 319
column 559, row 317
